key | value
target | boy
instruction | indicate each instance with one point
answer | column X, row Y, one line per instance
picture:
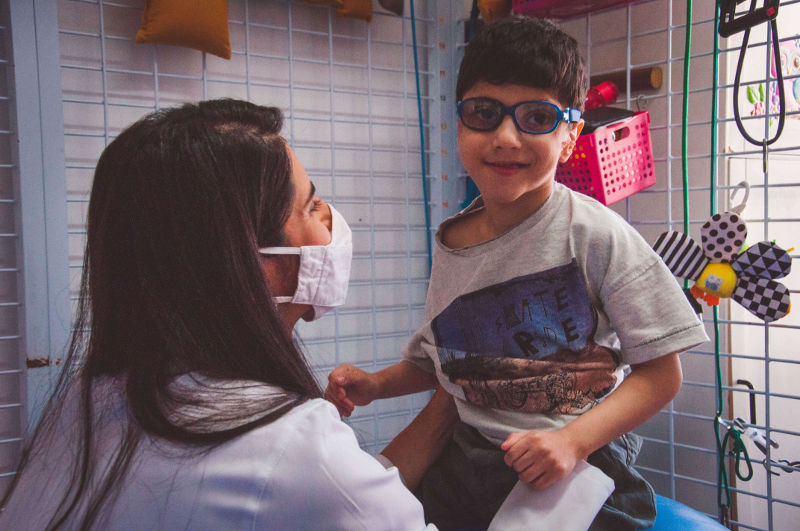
column 539, row 301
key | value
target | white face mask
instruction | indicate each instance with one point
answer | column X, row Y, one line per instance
column 324, row 271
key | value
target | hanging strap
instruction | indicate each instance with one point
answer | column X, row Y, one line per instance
column 737, row 79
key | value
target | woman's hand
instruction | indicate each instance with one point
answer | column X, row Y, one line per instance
column 349, row 386
column 540, row 458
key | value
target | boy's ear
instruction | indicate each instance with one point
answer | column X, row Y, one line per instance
column 576, row 130
column 574, row 133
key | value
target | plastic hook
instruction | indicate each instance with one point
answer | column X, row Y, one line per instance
column 740, row 207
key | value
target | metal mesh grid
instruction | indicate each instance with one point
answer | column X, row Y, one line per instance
column 347, row 88
column 11, row 374
column 679, row 457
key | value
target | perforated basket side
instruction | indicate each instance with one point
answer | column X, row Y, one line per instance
column 578, row 171
column 611, row 163
column 626, row 159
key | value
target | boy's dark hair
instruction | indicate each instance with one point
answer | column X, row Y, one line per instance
column 525, row 51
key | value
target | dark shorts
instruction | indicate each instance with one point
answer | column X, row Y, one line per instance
column 467, row 484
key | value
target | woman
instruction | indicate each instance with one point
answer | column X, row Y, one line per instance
column 184, row 402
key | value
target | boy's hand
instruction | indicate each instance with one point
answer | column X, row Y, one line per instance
column 540, row 458
column 349, row 386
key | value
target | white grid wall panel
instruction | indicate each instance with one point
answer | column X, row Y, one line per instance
column 11, row 370
column 347, row 88
column 767, row 356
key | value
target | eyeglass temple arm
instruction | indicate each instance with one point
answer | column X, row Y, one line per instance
column 571, row 115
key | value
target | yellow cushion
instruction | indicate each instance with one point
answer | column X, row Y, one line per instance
column 198, row 24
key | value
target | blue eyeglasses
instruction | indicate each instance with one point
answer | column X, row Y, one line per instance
column 532, row 117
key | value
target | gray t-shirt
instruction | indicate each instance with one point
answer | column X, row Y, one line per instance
column 534, row 327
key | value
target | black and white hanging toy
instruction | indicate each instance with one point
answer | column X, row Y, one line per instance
column 720, row 269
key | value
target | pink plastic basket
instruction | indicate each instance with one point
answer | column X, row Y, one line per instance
column 611, row 163
column 563, row 8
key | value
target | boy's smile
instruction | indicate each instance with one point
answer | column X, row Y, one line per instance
column 513, row 170
column 507, row 168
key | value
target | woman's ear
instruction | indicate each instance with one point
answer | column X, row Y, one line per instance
column 569, row 145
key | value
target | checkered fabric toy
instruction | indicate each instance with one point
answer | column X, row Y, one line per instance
column 719, row 269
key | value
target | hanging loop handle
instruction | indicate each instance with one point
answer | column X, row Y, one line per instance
column 744, row 185
column 776, row 54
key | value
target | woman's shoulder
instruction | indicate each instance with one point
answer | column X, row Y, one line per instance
column 324, row 475
column 304, row 433
column 315, row 415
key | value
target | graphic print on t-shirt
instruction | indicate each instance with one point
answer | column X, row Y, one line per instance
column 526, row 344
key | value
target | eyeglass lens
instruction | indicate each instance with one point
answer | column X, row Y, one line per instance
column 487, row 114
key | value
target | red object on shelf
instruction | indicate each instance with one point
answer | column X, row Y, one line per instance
column 600, row 95
column 613, row 162
column 563, row 8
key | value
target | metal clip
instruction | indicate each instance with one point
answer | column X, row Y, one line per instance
column 756, row 435
column 787, row 466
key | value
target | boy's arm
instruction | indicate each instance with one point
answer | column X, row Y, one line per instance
column 349, row 386
column 541, row 458
column 404, row 378
column 415, row 448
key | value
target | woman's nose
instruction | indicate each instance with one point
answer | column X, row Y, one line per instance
column 507, row 135
column 327, row 218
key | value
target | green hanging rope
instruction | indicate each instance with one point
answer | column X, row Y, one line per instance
column 739, row 448
column 722, row 472
column 685, row 122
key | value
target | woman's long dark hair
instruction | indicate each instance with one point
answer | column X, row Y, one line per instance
column 172, row 282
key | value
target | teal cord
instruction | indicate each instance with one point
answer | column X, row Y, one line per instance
column 739, row 448
column 741, row 455
column 740, row 452
column 421, row 142
column 722, row 471
column 685, row 122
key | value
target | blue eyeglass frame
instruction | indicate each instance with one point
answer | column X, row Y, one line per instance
column 568, row 115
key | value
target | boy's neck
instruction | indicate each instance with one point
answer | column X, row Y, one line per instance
column 502, row 217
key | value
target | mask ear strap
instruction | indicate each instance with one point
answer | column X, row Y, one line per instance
column 740, row 207
column 279, row 250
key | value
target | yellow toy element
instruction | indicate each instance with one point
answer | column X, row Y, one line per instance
column 494, row 9
column 718, row 280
